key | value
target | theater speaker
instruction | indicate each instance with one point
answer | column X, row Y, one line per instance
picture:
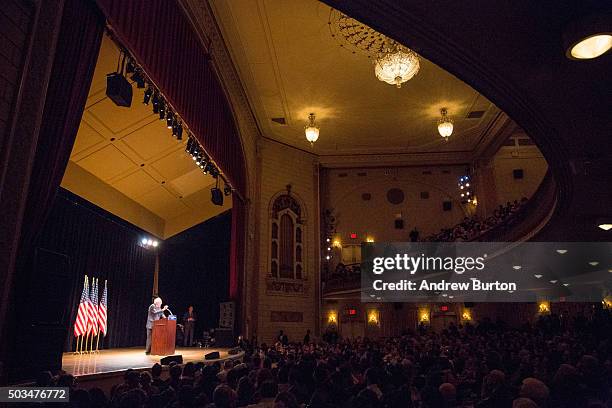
column 43, row 293
column 447, row 205
column 216, row 196
column 118, row 89
column 517, row 173
column 177, row 358
column 212, row 356
column 224, row 337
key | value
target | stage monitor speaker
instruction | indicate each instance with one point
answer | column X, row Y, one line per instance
column 118, row 89
column 212, row 356
column 177, row 358
column 226, row 314
column 216, row 196
column 234, row 351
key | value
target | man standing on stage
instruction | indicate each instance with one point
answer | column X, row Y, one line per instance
column 189, row 319
column 155, row 313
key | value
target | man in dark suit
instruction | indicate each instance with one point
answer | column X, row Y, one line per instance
column 155, row 313
column 189, row 319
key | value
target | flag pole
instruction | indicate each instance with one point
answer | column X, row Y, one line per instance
column 76, row 349
column 97, row 342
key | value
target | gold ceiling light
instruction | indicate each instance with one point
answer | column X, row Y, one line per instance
column 311, row 130
column 588, row 37
column 397, row 65
column 393, row 63
column 445, row 124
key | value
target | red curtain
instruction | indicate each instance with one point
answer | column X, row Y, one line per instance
column 161, row 38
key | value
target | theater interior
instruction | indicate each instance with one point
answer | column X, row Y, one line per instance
column 247, row 157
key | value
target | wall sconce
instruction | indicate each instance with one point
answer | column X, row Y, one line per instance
column 543, row 307
column 466, row 315
column 336, row 243
column 607, row 302
column 373, row 317
column 424, row 315
column 332, row 317
column 369, row 239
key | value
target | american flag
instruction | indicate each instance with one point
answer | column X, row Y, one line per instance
column 92, row 306
column 102, row 312
column 80, row 324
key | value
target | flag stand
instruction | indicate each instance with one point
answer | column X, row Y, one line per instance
column 76, row 350
column 97, row 342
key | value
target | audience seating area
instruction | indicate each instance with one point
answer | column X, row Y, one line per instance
column 472, row 227
column 554, row 363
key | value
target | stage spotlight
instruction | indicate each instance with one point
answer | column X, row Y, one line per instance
column 130, row 67
column 144, row 241
column 227, row 190
column 179, row 132
column 189, row 145
column 162, row 109
column 147, row 95
column 216, row 196
column 155, row 243
column 155, row 101
column 169, row 119
column 139, row 79
column 149, row 242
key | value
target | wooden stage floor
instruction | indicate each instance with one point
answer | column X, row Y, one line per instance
column 120, row 359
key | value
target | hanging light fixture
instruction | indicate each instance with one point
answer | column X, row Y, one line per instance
column 311, row 130
column 445, row 124
column 396, row 65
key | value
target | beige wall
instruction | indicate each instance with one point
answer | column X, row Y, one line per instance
column 280, row 166
column 528, row 158
column 343, row 189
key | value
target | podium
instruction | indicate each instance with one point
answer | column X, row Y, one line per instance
column 163, row 337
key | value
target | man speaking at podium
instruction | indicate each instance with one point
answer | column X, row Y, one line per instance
column 156, row 312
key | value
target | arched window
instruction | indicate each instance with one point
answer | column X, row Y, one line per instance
column 286, row 259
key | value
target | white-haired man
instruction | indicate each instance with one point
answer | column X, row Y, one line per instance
column 156, row 311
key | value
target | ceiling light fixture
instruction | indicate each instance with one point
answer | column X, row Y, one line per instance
column 393, row 62
column 311, row 130
column 605, row 226
column 538, row 276
column 588, row 37
column 593, row 263
column 561, row 251
column 396, row 65
column 445, row 124
column 553, row 281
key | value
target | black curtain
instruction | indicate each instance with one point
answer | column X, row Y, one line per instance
column 194, row 270
column 102, row 245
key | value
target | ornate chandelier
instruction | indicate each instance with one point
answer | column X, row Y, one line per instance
column 311, row 130
column 397, row 66
column 445, row 124
column 393, row 63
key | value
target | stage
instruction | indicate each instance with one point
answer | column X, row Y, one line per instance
column 118, row 360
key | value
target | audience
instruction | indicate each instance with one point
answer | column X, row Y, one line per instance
column 550, row 364
column 472, row 227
